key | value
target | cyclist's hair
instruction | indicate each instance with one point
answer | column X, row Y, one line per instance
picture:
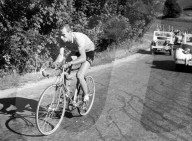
column 67, row 26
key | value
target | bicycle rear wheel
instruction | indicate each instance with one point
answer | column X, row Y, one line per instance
column 85, row 108
column 50, row 110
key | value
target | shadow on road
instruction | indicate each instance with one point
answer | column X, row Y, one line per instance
column 166, row 112
column 17, row 104
column 169, row 65
column 167, row 106
column 142, row 51
column 20, row 115
column 75, row 123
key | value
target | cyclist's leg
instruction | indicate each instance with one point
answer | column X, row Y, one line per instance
column 81, row 77
column 82, row 71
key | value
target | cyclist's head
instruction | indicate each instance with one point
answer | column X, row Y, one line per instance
column 65, row 32
column 67, row 27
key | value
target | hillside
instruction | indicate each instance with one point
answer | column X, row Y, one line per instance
column 185, row 4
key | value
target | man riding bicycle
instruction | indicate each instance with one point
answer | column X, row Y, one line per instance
column 81, row 46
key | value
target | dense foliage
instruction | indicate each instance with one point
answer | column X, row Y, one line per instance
column 172, row 9
column 28, row 37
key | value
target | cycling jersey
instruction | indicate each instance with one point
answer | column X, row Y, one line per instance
column 79, row 40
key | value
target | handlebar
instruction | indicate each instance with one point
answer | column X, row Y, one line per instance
column 62, row 69
column 43, row 72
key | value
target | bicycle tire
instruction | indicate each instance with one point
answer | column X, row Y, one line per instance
column 91, row 91
column 51, row 115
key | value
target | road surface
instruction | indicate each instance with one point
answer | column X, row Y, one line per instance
column 139, row 98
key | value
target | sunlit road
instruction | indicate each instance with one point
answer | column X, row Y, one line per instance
column 140, row 98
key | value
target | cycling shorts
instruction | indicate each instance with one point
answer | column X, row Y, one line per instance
column 89, row 56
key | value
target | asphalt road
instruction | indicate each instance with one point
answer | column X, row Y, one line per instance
column 139, row 98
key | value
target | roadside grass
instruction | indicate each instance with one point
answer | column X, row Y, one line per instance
column 11, row 81
column 119, row 51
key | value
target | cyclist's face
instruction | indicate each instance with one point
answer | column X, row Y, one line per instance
column 65, row 35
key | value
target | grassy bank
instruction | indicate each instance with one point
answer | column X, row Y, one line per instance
column 119, row 51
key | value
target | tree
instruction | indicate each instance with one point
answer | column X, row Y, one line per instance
column 172, row 9
column 29, row 28
column 26, row 27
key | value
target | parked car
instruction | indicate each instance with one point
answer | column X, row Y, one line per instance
column 183, row 54
column 162, row 41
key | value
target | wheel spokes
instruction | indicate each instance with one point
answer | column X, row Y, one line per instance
column 86, row 107
column 50, row 111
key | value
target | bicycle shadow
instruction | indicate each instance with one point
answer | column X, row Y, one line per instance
column 19, row 115
column 74, row 122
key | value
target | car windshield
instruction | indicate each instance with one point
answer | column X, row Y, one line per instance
column 189, row 39
column 163, row 34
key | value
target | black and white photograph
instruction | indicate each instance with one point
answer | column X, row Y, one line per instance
column 95, row 70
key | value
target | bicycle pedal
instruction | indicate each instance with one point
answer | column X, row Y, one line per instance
column 69, row 108
column 77, row 104
column 58, row 109
column 90, row 94
column 84, row 106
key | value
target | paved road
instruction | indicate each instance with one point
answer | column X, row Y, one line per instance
column 140, row 98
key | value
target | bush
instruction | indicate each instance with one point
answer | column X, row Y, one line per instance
column 26, row 27
column 172, row 9
column 29, row 28
column 116, row 28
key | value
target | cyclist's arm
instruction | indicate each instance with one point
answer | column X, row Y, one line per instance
column 60, row 57
column 81, row 49
column 81, row 58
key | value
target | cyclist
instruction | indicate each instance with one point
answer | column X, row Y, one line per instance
column 81, row 46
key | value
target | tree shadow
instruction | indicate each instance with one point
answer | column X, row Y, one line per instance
column 17, row 104
column 162, row 17
column 166, row 108
column 143, row 51
column 21, row 115
column 168, row 100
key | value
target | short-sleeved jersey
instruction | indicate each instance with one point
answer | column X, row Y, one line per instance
column 79, row 40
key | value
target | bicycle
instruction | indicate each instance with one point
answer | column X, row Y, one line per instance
column 52, row 103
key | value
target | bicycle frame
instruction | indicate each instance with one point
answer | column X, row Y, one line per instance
column 52, row 102
column 62, row 81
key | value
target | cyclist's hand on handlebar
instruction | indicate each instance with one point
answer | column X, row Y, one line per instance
column 44, row 73
column 67, row 65
column 56, row 65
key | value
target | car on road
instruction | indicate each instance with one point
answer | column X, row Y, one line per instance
column 162, row 41
column 183, row 54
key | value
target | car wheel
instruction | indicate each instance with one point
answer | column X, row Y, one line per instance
column 170, row 50
column 153, row 51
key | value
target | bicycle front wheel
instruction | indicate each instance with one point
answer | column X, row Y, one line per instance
column 86, row 106
column 50, row 110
